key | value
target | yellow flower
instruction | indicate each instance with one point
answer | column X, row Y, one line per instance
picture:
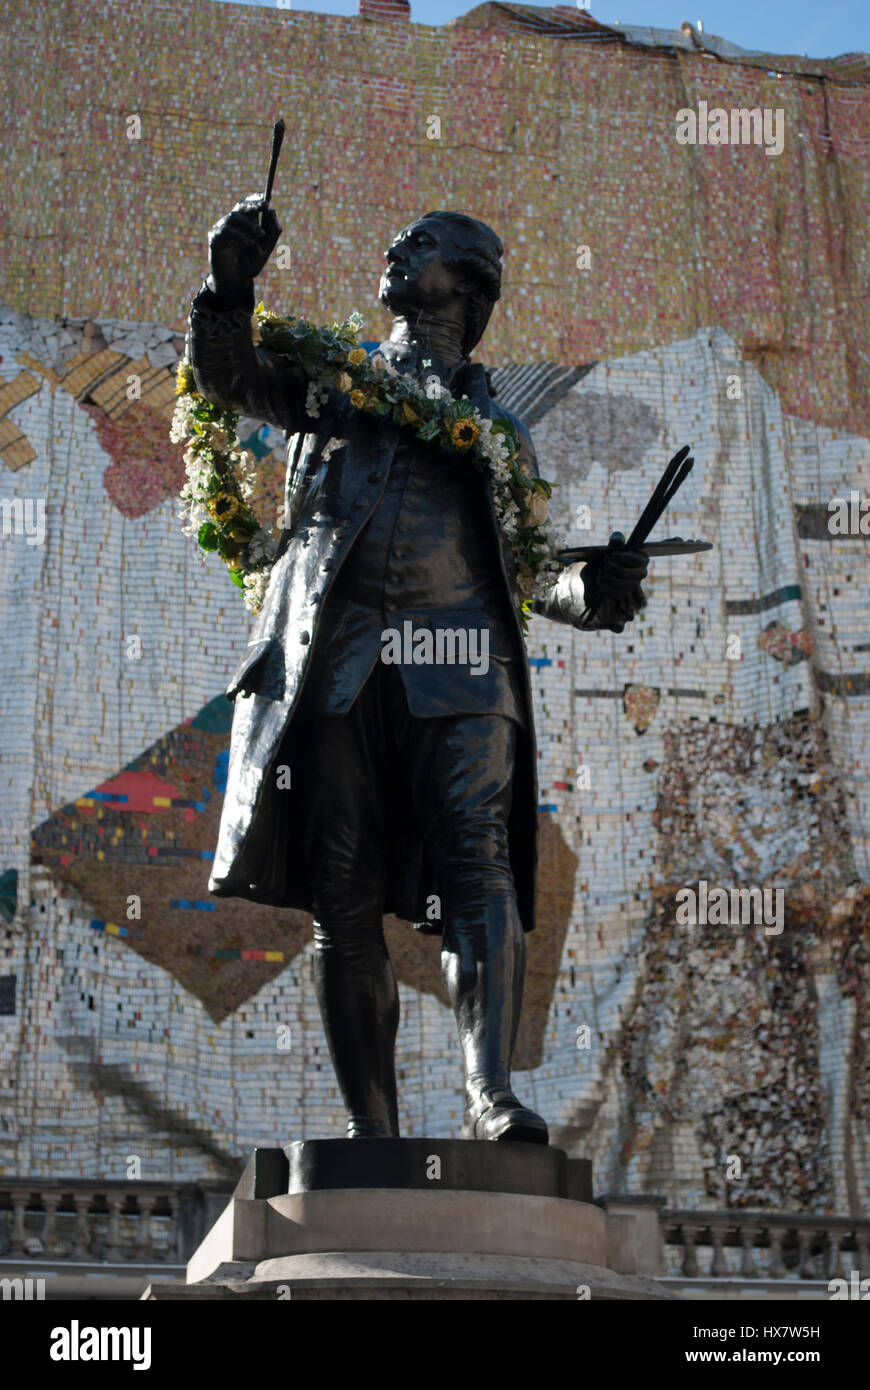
column 357, row 399
column 463, row 434
column 357, row 356
column 184, row 382
column 223, row 507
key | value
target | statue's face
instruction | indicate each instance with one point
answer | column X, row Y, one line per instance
column 415, row 276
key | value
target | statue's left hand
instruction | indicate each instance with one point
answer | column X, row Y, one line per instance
column 612, row 582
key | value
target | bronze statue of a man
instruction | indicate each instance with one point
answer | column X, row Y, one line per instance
column 412, row 786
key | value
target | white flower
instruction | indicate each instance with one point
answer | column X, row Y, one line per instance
column 182, row 416
column 198, row 473
column 255, row 585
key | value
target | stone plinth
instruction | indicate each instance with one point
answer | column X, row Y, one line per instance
column 418, row 1218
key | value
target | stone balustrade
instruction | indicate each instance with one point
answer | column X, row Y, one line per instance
column 760, row 1244
column 106, row 1222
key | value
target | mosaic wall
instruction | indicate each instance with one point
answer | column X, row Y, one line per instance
column 721, row 740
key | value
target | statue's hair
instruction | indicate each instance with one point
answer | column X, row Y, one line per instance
column 480, row 257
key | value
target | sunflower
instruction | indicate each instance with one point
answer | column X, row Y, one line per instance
column 184, row 382
column 223, row 506
column 464, row 433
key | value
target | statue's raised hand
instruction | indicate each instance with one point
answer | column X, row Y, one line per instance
column 239, row 246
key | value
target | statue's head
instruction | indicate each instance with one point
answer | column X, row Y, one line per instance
column 444, row 263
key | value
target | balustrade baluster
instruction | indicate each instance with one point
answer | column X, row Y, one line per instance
column 777, row 1263
column 690, row 1258
column 748, row 1236
column 114, row 1201
column 81, row 1243
column 16, row 1235
column 718, row 1264
column 807, row 1268
column 51, row 1246
column 833, row 1255
column 146, row 1201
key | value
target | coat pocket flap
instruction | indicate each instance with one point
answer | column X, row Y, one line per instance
column 260, row 671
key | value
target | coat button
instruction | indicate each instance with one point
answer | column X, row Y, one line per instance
column 305, row 638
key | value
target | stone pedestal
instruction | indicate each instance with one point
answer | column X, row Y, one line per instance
column 414, row 1218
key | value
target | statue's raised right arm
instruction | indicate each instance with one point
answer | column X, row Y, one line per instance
column 228, row 368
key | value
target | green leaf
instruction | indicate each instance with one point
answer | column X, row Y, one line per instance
column 208, row 536
column 228, row 548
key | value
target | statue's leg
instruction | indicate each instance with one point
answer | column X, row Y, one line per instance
column 463, row 779
column 359, row 1005
column 337, row 768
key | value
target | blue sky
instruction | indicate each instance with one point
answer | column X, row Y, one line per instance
column 816, row 27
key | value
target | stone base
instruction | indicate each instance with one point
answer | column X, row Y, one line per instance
column 427, row 1219
column 425, row 1275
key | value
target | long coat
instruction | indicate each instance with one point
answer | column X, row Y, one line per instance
column 329, row 497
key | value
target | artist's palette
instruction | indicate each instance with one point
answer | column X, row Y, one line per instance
column 675, row 546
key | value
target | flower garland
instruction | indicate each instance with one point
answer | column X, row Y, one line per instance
column 215, row 500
